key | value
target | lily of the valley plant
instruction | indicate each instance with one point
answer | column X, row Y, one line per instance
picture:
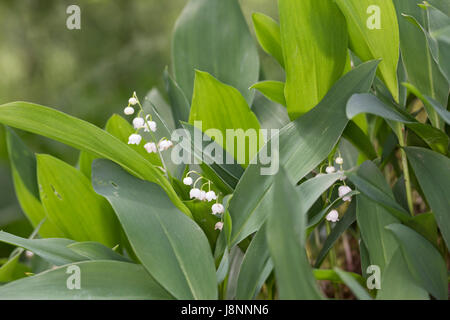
column 359, row 207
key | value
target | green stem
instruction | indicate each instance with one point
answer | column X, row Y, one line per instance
column 402, row 141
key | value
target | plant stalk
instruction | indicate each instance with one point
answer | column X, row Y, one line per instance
column 402, row 141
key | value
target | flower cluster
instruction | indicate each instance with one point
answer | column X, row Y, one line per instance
column 146, row 124
column 202, row 195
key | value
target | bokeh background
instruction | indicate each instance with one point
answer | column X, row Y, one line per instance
column 123, row 46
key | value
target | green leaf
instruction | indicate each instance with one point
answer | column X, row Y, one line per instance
column 172, row 247
column 397, row 283
column 53, row 250
column 353, row 285
column 285, row 237
column 433, row 173
column 430, row 103
column 360, row 140
column 153, row 103
column 72, row 205
column 179, row 102
column 302, row 146
column 372, row 217
column 100, row 280
column 271, row 115
column 96, row 251
column 224, row 175
column 207, row 221
column 84, row 136
column 368, row 103
column 268, row 34
column 273, row 90
column 371, row 182
column 12, row 269
column 336, row 232
column 422, row 70
column 200, row 42
column 255, row 267
column 424, row 261
column 219, row 106
column 377, row 42
column 314, row 60
column 23, row 167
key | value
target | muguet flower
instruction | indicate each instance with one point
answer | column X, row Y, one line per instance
column 128, row 110
column 202, row 196
column 330, row 169
column 332, row 216
column 132, row 101
column 150, row 126
column 217, row 208
column 150, row 147
column 211, row 195
column 339, row 160
column 138, row 123
column 164, row 145
column 194, row 193
column 134, row 139
column 343, row 190
column 218, row 226
column 188, row 181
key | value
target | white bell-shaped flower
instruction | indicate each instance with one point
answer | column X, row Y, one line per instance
column 164, row 145
column 194, row 193
column 188, row 181
column 134, row 139
column 150, row 147
column 138, row 122
column 128, row 110
column 330, row 169
column 339, row 160
column 150, row 126
column 132, row 101
column 211, row 195
column 332, row 216
column 343, row 190
column 217, row 208
column 218, row 226
column 202, row 196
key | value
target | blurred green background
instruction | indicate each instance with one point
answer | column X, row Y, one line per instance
column 123, row 46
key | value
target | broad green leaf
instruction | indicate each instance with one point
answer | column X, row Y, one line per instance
column 425, row 225
column 314, row 60
column 273, row 90
column 303, row 144
column 430, row 103
column 200, row 42
column 53, row 250
column 374, row 34
column 367, row 103
column 154, row 100
column 397, row 283
column 84, row 136
column 179, row 102
column 23, row 167
column 372, row 217
column 255, row 267
column 354, row 134
column 172, row 247
column 219, row 106
column 371, row 182
column 271, row 115
column 343, row 224
column 353, row 285
column 422, row 70
column 72, row 205
column 424, row 261
column 224, row 175
column 100, row 280
column 433, row 173
column 96, row 251
column 268, row 34
column 12, row 269
column 201, row 211
column 285, row 237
